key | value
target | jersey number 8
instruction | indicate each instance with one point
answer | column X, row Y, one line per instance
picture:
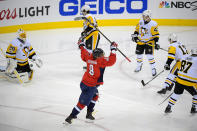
column 91, row 70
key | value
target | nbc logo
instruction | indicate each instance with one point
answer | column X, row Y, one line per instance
column 164, row 4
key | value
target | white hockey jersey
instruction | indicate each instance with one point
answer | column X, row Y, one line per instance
column 176, row 51
column 187, row 74
column 91, row 19
column 147, row 32
column 20, row 51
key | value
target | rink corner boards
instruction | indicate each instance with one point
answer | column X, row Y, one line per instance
column 111, row 22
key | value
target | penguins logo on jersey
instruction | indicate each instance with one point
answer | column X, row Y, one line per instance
column 12, row 49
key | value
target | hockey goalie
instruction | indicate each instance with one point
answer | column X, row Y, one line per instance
column 18, row 54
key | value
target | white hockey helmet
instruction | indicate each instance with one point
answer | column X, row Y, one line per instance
column 147, row 13
column 194, row 51
column 85, row 9
column 21, row 34
column 172, row 37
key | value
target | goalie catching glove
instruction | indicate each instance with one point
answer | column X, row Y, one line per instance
column 37, row 61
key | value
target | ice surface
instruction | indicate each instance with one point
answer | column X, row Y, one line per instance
column 124, row 104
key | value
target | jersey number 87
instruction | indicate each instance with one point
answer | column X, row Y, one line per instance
column 185, row 65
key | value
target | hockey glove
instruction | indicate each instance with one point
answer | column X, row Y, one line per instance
column 37, row 61
column 134, row 38
column 157, row 46
column 84, row 34
column 114, row 46
column 80, row 42
column 167, row 67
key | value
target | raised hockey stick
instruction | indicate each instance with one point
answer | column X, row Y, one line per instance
column 82, row 18
column 166, row 98
column 144, row 84
column 15, row 72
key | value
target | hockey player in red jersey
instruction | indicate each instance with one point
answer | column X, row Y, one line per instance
column 91, row 79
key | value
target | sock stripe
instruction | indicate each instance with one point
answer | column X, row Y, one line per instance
column 173, row 99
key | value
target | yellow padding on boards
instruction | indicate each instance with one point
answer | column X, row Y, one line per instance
column 111, row 22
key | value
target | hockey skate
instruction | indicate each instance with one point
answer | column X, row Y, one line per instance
column 169, row 88
column 154, row 72
column 162, row 91
column 138, row 69
column 89, row 115
column 70, row 118
column 2, row 69
column 168, row 109
column 193, row 110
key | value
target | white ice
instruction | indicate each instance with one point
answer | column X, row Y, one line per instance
column 124, row 104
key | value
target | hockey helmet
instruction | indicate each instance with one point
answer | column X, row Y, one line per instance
column 146, row 15
column 85, row 9
column 21, row 34
column 172, row 38
column 98, row 52
column 194, row 51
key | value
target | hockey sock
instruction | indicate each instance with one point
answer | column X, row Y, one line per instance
column 168, row 83
column 92, row 104
column 139, row 60
column 194, row 101
column 151, row 60
column 76, row 110
column 174, row 97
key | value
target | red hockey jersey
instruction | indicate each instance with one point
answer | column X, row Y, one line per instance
column 92, row 73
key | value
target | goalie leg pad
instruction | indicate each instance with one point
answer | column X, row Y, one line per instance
column 30, row 74
column 11, row 65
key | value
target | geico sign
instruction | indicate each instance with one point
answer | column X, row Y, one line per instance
column 72, row 7
column 24, row 12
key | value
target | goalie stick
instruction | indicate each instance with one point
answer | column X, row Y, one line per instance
column 15, row 72
column 144, row 84
column 84, row 18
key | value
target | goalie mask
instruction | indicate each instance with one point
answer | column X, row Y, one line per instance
column 85, row 10
column 146, row 15
column 21, row 34
column 172, row 38
column 98, row 52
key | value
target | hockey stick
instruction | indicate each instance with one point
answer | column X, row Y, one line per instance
column 144, row 84
column 135, row 35
column 166, row 98
column 15, row 72
column 82, row 18
column 163, row 49
column 159, row 48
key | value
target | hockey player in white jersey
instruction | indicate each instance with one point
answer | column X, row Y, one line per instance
column 186, row 80
column 18, row 54
column 89, row 34
column 146, row 36
column 176, row 50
